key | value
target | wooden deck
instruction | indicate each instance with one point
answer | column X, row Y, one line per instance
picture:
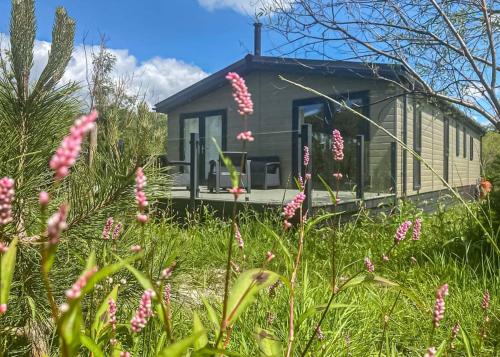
column 260, row 200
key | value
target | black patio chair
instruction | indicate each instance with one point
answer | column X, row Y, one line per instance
column 220, row 177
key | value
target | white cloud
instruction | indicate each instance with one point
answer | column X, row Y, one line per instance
column 246, row 7
column 157, row 77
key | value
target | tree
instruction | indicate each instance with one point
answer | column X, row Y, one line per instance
column 446, row 50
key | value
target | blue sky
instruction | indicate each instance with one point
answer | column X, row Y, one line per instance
column 162, row 46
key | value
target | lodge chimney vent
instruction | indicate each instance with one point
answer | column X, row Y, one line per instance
column 257, row 38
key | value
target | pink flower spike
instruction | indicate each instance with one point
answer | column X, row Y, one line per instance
column 167, row 272
column 439, row 305
column 485, row 304
column 76, row 289
column 112, row 313
column 140, row 195
column 144, row 312
column 69, row 150
column 417, row 226
column 6, row 198
column 142, row 218
column 3, row 247
column 239, row 238
column 369, row 265
column 401, row 231
column 431, row 352
column 117, row 231
column 3, row 309
column 455, row 330
column 337, row 146
column 135, row 248
column 290, row 209
column 236, row 191
column 269, row 256
column 338, row 176
column 43, row 199
column 125, row 354
column 245, row 136
column 240, row 94
column 385, row 258
column 306, row 156
column 56, row 224
column 107, row 228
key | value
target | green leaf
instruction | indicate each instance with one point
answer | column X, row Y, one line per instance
column 198, row 329
column 212, row 314
column 101, row 317
column 235, row 177
column 313, row 222
column 179, row 348
column 320, row 308
column 103, row 273
column 8, row 265
column 269, row 344
column 280, row 242
column 441, row 349
column 161, row 343
column 141, row 278
column 333, row 196
column 91, row 345
column 467, row 343
column 210, row 351
column 245, row 289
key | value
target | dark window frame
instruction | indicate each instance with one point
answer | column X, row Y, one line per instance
column 417, row 147
column 471, row 147
column 457, row 140
column 464, row 142
column 446, row 148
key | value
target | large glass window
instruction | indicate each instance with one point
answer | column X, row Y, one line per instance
column 417, row 147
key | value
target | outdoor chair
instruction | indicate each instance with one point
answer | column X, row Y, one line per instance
column 265, row 171
column 181, row 177
column 220, row 177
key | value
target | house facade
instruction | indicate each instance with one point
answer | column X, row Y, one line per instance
column 446, row 139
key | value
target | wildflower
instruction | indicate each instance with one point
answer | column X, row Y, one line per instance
column 69, row 150
column 270, row 318
column 76, row 289
column 112, row 314
column 6, row 198
column 143, row 313
column 140, row 196
column 56, row 224
column 385, row 258
column 455, row 330
column 290, row 209
column 337, row 145
column 117, row 231
column 401, row 231
column 338, row 176
column 431, row 352
column 485, row 187
column 124, row 354
column 107, row 228
column 308, row 177
column 369, row 265
column 167, row 272
column 123, row 281
column 64, row 308
column 319, row 334
column 413, row 260
column 3, row 247
column 167, row 293
column 236, row 191
column 245, row 136
column 43, row 199
column 3, row 309
column 240, row 93
column 439, row 305
column 269, row 256
column 237, row 235
column 136, row 248
column 417, row 226
column 485, row 304
column 272, row 288
column 306, row 156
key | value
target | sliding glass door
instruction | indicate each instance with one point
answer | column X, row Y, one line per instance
column 210, row 126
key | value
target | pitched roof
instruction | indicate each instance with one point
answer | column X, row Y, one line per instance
column 284, row 65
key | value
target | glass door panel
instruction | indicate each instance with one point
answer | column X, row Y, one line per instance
column 191, row 125
column 213, row 131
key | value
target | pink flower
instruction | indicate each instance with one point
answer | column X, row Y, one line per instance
column 245, row 136
column 308, row 177
column 117, row 231
column 236, row 191
column 485, row 304
column 455, row 330
column 338, row 176
column 290, row 209
column 439, row 305
column 69, row 150
column 43, row 199
column 369, row 265
column 385, row 258
column 124, row 354
column 3, row 309
column 269, row 256
column 6, row 198
column 144, row 312
column 107, row 228
column 167, row 294
column 401, row 231
column 112, row 313
column 237, row 235
column 140, row 195
column 431, row 352
column 319, row 334
column 56, row 224
column 240, row 93
column 136, row 248
column 167, row 272
column 3, row 247
column 76, row 290
column 417, row 226
column 306, row 156
column 337, row 146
